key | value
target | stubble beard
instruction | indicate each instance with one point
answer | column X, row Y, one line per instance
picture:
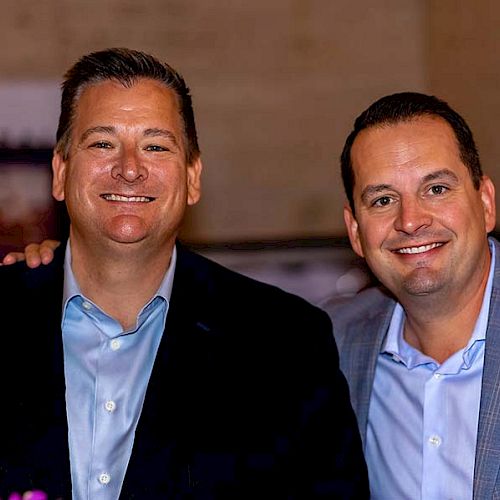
column 423, row 282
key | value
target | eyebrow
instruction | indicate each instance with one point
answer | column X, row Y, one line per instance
column 373, row 190
column 160, row 132
column 440, row 174
column 100, row 129
column 149, row 132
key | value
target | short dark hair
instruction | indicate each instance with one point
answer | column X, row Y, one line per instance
column 404, row 107
column 125, row 66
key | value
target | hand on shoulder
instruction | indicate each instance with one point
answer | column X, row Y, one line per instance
column 34, row 254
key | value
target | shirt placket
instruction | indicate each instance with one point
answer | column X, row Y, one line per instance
column 104, row 477
column 434, row 438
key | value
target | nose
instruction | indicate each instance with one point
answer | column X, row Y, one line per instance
column 129, row 168
column 412, row 216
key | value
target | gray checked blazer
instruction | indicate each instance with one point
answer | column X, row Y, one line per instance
column 360, row 326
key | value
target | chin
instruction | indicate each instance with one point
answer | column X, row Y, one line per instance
column 423, row 283
column 127, row 237
column 127, row 230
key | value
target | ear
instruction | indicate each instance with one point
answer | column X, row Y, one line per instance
column 487, row 192
column 194, row 181
column 58, row 176
column 353, row 230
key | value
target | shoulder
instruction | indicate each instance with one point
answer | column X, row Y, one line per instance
column 256, row 310
column 235, row 288
column 257, row 324
column 19, row 281
column 367, row 303
column 359, row 314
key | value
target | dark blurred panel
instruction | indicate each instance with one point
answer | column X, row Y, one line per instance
column 27, row 210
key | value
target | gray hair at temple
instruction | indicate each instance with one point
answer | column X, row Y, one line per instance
column 404, row 107
column 125, row 66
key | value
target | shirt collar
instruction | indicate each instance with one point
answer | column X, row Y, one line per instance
column 396, row 346
column 72, row 289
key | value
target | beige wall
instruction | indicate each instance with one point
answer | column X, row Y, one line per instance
column 464, row 67
column 276, row 86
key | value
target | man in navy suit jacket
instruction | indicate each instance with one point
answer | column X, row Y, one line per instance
column 134, row 368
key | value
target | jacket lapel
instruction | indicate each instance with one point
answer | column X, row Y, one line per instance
column 360, row 359
column 168, row 418
column 488, row 438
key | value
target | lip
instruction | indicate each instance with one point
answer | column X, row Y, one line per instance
column 418, row 249
column 126, row 198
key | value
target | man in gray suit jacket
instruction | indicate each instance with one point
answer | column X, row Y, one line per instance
column 422, row 351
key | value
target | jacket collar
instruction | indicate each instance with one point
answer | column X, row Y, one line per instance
column 487, row 463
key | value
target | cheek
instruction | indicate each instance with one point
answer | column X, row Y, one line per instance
column 375, row 232
column 460, row 219
column 174, row 182
column 78, row 188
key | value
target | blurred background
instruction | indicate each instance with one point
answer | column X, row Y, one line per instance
column 276, row 85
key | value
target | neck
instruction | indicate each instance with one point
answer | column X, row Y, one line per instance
column 119, row 282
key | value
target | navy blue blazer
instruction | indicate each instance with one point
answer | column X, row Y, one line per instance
column 246, row 399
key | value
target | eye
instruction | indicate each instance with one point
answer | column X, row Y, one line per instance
column 438, row 189
column 156, row 148
column 383, row 201
column 101, row 145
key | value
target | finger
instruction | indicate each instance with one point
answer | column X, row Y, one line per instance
column 32, row 254
column 52, row 244
column 12, row 258
column 47, row 248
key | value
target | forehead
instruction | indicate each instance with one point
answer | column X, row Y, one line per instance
column 405, row 149
column 110, row 100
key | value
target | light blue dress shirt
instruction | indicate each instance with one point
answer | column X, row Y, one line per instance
column 423, row 417
column 107, row 371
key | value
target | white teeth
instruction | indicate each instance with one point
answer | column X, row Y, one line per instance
column 117, row 197
column 421, row 249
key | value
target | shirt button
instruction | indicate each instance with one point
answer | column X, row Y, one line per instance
column 104, row 478
column 435, row 441
column 86, row 305
column 115, row 344
column 437, row 376
column 110, row 406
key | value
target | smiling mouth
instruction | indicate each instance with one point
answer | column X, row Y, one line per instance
column 419, row 249
column 128, row 199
